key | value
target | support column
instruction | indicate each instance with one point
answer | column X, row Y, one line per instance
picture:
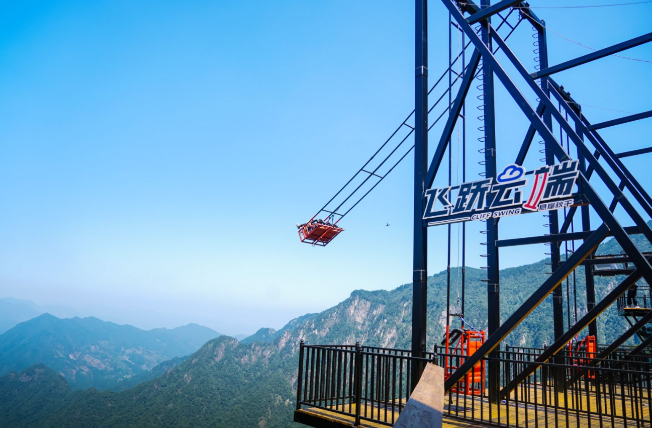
column 420, row 253
column 493, row 280
column 553, row 216
column 588, row 268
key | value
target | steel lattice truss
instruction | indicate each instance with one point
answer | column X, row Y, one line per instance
column 598, row 165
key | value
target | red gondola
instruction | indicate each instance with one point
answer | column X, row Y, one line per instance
column 318, row 233
column 586, row 351
column 465, row 342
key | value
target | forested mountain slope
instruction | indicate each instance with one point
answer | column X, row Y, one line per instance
column 250, row 384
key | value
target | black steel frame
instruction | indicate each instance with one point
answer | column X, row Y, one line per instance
column 553, row 369
column 577, row 128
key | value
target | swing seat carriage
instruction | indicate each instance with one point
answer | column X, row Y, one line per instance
column 318, row 233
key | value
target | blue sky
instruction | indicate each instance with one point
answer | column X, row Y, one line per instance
column 155, row 156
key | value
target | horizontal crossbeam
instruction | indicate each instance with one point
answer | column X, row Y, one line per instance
column 611, row 348
column 610, row 222
column 639, row 193
column 529, row 305
column 573, row 331
column 620, row 121
column 631, row 230
column 332, row 212
column 491, row 10
column 612, row 272
column 372, row 173
column 634, row 152
column 593, row 56
column 599, row 260
column 452, row 118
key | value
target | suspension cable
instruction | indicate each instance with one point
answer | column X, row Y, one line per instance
column 335, row 213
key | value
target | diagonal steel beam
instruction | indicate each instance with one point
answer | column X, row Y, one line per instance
column 491, row 10
column 630, row 356
column 623, row 239
column 527, row 109
column 610, row 221
column 640, row 348
column 469, row 75
column 608, row 154
column 614, row 161
column 593, row 56
column 642, row 264
column 529, row 305
column 572, row 210
column 568, row 220
column 574, row 330
column 628, row 334
column 529, row 136
column 605, row 213
column 611, row 348
column 450, row 124
column 618, row 168
column 523, row 7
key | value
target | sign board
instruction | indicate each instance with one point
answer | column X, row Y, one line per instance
column 511, row 192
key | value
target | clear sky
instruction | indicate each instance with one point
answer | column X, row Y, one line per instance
column 156, row 155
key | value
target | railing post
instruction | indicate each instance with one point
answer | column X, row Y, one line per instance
column 508, row 364
column 357, row 382
column 300, row 377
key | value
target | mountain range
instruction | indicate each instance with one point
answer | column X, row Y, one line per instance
column 90, row 352
column 250, row 383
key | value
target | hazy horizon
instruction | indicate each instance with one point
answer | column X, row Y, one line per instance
column 156, row 156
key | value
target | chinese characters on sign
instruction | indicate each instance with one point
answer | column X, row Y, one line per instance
column 552, row 189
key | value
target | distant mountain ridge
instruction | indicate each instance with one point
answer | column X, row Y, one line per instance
column 269, row 334
column 251, row 383
column 90, row 352
column 15, row 311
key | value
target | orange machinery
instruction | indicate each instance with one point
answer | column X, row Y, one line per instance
column 585, row 351
column 460, row 344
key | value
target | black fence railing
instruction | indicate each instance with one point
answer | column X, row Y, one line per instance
column 638, row 300
column 363, row 383
column 572, row 390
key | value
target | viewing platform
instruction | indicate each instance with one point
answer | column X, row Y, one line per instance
column 351, row 386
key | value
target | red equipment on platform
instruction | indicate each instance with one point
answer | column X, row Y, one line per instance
column 586, row 351
column 466, row 343
column 318, row 233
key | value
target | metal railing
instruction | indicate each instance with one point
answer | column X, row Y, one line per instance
column 566, row 393
column 373, row 384
column 640, row 300
column 364, row 383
